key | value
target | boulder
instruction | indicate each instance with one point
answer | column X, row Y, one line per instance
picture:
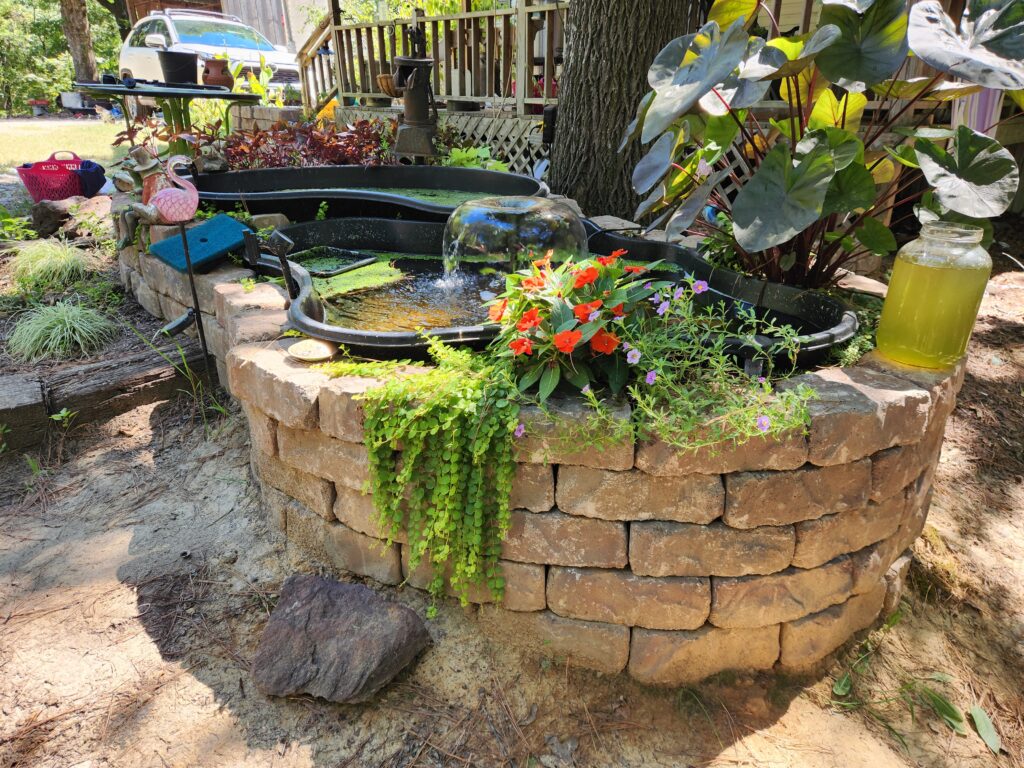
column 49, row 215
column 341, row 642
column 74, row 216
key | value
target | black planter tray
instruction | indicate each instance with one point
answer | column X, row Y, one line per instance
column 827, row 321
column 356, row 190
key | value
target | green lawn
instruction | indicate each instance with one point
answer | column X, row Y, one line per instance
column 28, row 141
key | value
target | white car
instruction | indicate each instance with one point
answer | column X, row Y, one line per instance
column 208, row 34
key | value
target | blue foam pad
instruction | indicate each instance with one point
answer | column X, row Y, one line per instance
column 208, row 244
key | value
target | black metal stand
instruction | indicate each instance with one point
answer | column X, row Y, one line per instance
column 195, row 296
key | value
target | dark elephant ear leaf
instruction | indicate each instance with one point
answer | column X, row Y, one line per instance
column 978, row 177
column 988, row 50
column 871, row 45
column 655, row 164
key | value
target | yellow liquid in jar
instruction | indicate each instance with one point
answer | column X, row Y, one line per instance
column 929, row 313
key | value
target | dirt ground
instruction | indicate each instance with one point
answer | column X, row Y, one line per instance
column 136, row 577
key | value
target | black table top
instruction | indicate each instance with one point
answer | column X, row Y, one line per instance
column 167, row 91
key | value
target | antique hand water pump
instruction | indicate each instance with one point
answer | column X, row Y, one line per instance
column 418, row 125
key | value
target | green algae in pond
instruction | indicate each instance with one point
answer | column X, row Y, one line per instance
column 371, row 276
column 449, row 198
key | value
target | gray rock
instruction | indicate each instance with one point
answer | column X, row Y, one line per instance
column 49, row 215
column 341, row 642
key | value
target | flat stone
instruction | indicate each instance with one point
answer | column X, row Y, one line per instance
column 523, row 591
column 340, row 642
column 893, row 469
column 942, row 385
column 920, row 501
column 148, row 299
column 346, row 464
column 343, row 549
column 634, row 495
column 269, row 221
column 871, row 563
column 681, row 658
column 753, row 499
column 284, row 389
column 807, row 641
column 356, row 510
column 49, row 215
column 533, row 487
column 262, row 430
column 551, row 440
column 341, row 412
column 680, row 549
column 234, row 298
column 594, row 645
column 821, row 540
column 255, row 326
column 787, row 451
column 276, row 504
column 315, row 492
column 621, row 597
column 760, row 601
column 555, row 538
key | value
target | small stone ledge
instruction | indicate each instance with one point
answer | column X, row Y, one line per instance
column 633, row 495
column 595, row 645
column 821, row 540
column 312, row 451
column 524, row 584
column 758, row 453
column 286, row 390
column 681, row 549
column 547, row 442
column 680, row 658
column 343, row 549
column 554, row 538
column 805, row 642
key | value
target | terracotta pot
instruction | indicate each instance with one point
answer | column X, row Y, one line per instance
column 218, row 72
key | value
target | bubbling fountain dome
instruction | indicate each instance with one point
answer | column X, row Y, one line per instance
column 509, row 231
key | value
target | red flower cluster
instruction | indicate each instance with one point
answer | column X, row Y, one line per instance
column 635, row 269
column 603, row 342
column 583, row 311
column 530, row 319
column 607, row 261
column 566, row 341
column 521, row 346
column 533, row 283
column 497, row 311
column 585, row 277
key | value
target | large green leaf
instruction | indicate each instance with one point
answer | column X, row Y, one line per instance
column 725, row 12
column 744, row 86
column 852, row 188
column 871, row 46
column 782, row 198
column 687, row 213
column 801, row 51
column 860, row 6
column 924, row 88
column 988, row 50
column 655, row 164
column 686, row 69
column 978, row 177
column 987, row 731
column 845, row 146
column 633, row 129
column 830, row 112
column 876, row 237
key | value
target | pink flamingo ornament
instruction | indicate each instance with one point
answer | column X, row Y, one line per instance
column 176, row 206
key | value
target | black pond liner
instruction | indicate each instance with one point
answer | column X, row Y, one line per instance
column 356, row 190
column 823, row 320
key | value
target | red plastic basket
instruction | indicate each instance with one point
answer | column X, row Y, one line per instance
column 52, row 179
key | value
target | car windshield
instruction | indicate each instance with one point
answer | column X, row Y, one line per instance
column 215, row 33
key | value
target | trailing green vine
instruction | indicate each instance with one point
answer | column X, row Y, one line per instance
column 441, row 462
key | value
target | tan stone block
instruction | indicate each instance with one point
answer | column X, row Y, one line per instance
column 232, row 298
column 311, row 450
column 269, row 221
column 859, row 411
column 754, row 499
column 893, row 469
column 895, row 583
column 523, row 591
column 942, row 385
column 680, row 549
column 276, row 504
column 657, row 657
column 621, row 597
column 356, row 510
column 124, row 275
column 918, row 504
column 148, row 299
column 284, row 389
column 262, row 430
column 225, row 274
column 634, row 495
column 549, row 440
column 343, row 549
column 807, row 641
column 821, row 540
column 216, row 338
column 758, row 601
column 163, row 278
column 254, row 326
column 787, row 451
column 129, row 256
column 590, row 644
column 341, row 411
column 558, row 539
column 314, row 492
column 533, row 487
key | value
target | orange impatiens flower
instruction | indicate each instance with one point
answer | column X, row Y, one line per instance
column 530, row 319
column 617, row 310
column 635, row 269
column 497, row 311
column 521, row 346
column 583, row 311
column 545, row 262
column 604, row 343
column 566, row 341
column 607, row 261
column 585, row 277
column 533, row 283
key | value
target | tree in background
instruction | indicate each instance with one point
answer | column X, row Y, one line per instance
column 119, row 10
column 74, row 18
column 609, row 47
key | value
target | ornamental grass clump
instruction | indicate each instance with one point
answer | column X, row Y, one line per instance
column 58, row 332
column 49, row 265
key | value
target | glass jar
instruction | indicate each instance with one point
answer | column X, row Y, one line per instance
column 934, row 294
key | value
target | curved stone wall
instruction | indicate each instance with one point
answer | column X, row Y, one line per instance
column 673, row 566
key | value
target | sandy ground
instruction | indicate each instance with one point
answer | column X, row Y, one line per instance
column 135, row 579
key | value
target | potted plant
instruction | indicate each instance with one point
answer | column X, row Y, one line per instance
column 813, row 185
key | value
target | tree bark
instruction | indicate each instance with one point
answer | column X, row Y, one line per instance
column 610, row 45
column 75, row 21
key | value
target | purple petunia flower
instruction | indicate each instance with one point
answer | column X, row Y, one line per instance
column 764, row 423
column 627, row 346
column 593, row 316
column 699, row 286
column 662, row 308
column 633, row 356
column 679, row 293
column 520, row 430
column 647, row 286
column 761, row 379
column 586, row 389
column 651, row 377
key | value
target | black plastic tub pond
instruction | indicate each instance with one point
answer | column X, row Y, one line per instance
column 821, row 320
column 423, row 192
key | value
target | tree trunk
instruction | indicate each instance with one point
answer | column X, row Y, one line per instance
column 76, row 29
column 610, row 45
column 119, row 10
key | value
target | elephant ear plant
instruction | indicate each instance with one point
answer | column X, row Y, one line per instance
column 813, row 186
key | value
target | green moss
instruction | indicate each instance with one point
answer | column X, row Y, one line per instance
column 450, row 198
column 372, row 276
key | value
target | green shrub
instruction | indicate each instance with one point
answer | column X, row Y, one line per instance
column 60, row 331
column 49, row 264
